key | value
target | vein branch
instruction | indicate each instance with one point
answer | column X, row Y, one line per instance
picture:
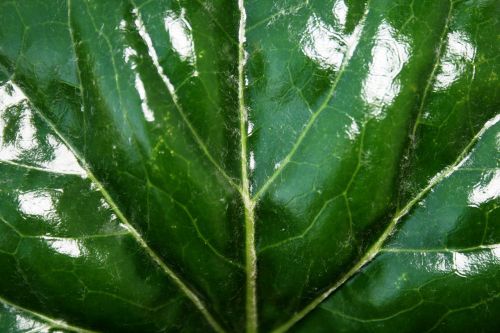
column 443, row 250
column 190, row 294
column 432, row 76
column 376, row 248
column 312, row 120
column 37, row 168
column 54, row 323
column 146, row 38
column 133, row 231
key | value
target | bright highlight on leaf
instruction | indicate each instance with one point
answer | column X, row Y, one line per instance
column 244, row 165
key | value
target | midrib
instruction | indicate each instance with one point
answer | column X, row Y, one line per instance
column 249, row 204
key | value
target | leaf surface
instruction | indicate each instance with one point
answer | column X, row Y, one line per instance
column 311, row 166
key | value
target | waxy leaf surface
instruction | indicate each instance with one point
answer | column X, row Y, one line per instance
column 244, row 165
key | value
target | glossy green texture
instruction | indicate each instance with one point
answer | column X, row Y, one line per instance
column 225, row 165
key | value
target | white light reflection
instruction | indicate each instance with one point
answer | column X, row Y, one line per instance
column 464, row 263
column 441, row 263
column 472, row 263
column 389, row 55
column 459, row 52
column 128, row 54
column 69, row 247
column 181, row 37
column 461, row 264
column 324, row 45
column 486, row 190
column 26, row 141
column 148, row 113
column 252, row 161
column 495, row 250
column 26, row 324
column 250, row 127
column 154, row 56
column 353, row 130
column 340, row 12
column 11, row 95
column 64, row 161
column 37, row 203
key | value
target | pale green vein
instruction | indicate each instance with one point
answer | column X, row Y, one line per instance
column 106, row 39
column 128, row 301
column 284, row 162
column 53, row 323
column 444, row 250
column 373, row 320
column 205, row 240
column 35, row 168
column 328, row 202
column 217, row 23
column 84, row 237
column 49, row 238
column 146, row 38
column 306, row 230
column 79, row 74
column 430, row 81
column 17, row 231
column 137, row 236
column 377, row 246
column 285, row 12
column 298, row 90
column 128, row 225
column 465, row 308
column 121, row 299
column 192, row 219
column 249, row 204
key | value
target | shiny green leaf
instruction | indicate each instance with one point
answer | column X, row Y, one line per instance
column 244, row 165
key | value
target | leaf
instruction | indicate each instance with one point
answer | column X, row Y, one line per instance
column 310, row 166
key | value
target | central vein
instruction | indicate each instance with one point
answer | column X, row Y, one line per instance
column 249, row 204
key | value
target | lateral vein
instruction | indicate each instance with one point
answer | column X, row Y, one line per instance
column 55, row 323
column 315, row 114
column 146, row 38
column 40, row 169
column 133, row 231
column 190, row 294
column 433, row 72
column 376, row 248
